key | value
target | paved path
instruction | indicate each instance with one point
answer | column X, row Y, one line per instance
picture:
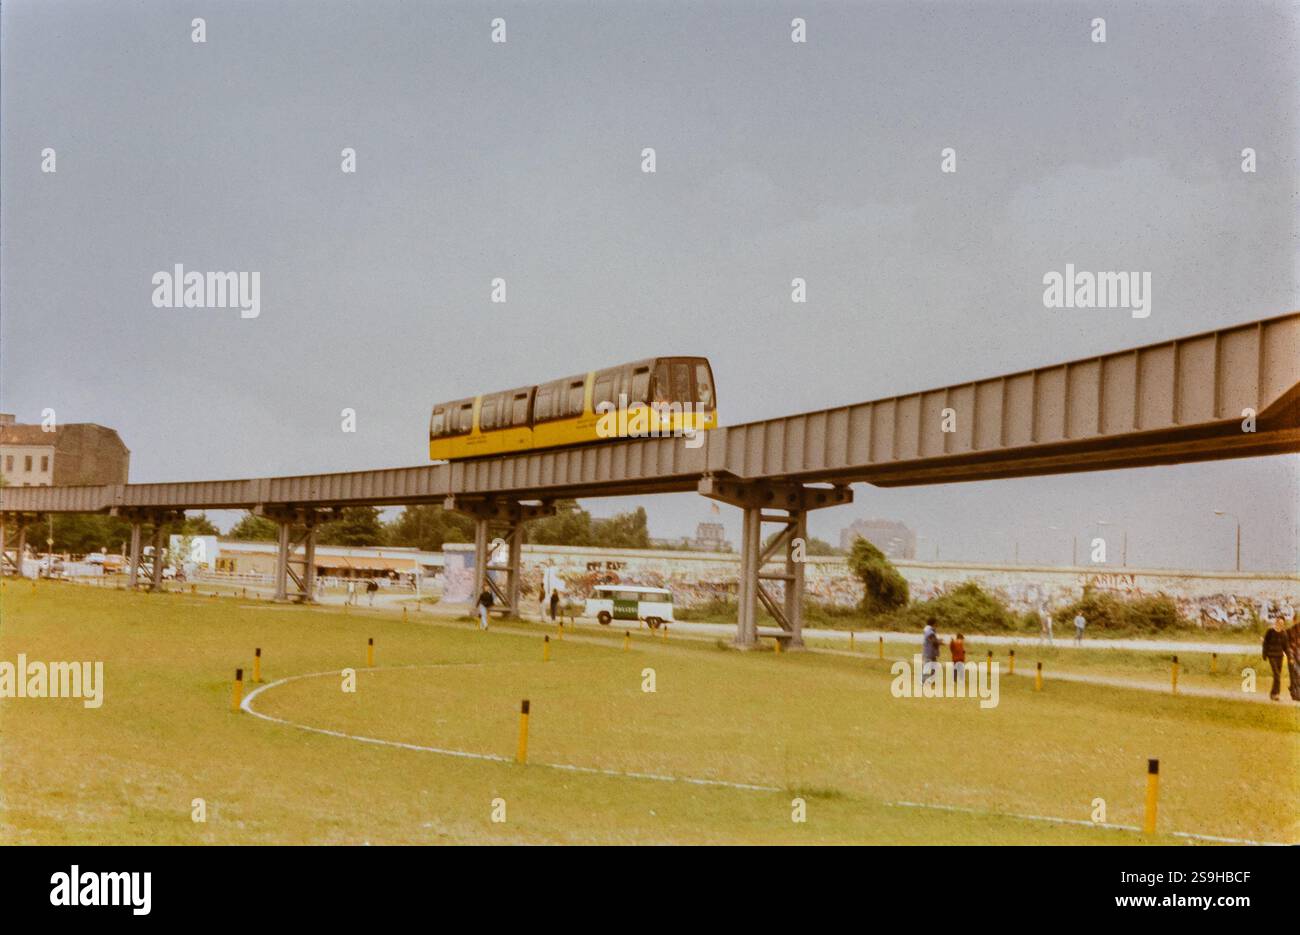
column 871, row 636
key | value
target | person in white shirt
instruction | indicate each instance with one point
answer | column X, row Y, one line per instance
column 1079, row 623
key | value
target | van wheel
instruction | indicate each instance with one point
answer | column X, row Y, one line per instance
column 653, row 622
column 603, row 618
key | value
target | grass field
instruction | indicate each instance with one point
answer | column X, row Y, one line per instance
column 823, row 727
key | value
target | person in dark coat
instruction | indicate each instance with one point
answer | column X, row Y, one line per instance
column 1274, row 651
column 484, row 604
column 1293, row 658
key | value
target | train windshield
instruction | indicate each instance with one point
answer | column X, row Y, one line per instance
column 684, row 379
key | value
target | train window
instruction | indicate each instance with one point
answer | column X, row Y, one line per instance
column 438, row 424
column 542, row 404
column 519, row 409
column 682, row 381
column 487, row 413
column 640, row 391
column 466, row 418
column 663, row 391
column 605, row 390
column 703, row 385
column 576, row 388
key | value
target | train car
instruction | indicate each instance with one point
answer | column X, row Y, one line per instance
column 657, row 396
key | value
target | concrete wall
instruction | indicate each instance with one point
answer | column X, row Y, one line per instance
column 1212, row 599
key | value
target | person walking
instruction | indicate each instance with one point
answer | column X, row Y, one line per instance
column 1080, row 622
column 352, row 591
column 958, row 649
column 484, row 604
column 929, row 651
column 1293, row 659
column 1274, row 651
column 1045, row 631
column 372, row 588
column 555, row 604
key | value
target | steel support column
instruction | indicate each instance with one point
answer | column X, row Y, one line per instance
column 133, row 567
column 22, row 546
column 507, row 519
column 156, row 569
column 282, row 560
column 788, row 505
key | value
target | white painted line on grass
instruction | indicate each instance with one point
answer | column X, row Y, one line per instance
column 1081, row 822
column 247, row 705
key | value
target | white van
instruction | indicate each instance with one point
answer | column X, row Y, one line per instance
column 630, row 602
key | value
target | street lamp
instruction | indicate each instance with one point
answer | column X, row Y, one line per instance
column 1238, row 521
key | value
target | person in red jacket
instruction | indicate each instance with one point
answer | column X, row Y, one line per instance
column 958, row 649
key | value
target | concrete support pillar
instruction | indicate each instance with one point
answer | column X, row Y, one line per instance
column 747, row 591
column 309, row 562
column 512, row 573
column 282, row 561
column 794, row 577
column 133, row 561
column 155, row 577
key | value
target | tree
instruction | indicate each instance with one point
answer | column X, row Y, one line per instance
column 428, row 527
column 199, row 526
column 356, row 525
column 254, row 528
column 80, row 533
column 884, row 589
column 569, row 526
column 623, row 531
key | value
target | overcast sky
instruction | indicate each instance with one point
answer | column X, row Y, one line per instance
column 522, row 160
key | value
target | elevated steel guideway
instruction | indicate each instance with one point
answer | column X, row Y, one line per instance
column 1222, row 394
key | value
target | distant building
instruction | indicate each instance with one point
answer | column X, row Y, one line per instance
column 711, row 537
column 257, row 559
column 76, row 453
column 894, row 539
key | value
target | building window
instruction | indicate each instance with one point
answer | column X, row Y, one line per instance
column 27, row 464
column 45, row 464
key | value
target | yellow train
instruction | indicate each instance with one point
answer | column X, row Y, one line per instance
column 659, row 396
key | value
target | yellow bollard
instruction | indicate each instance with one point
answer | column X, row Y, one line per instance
column 1153, row 794
column 1038, row 678
column 1174, row 677
column 546, row 649
column 627, row 640
column 238, row 695
column 257, row 664
column 194, row 589
column 850, row 641
column 777, row 642
column 664, row 626
column 370, row 653
column 880, row 649
column 1214, row 663
column 243, row 593
column 403, row 615
column 1013, row 663
column 990, row 660
column 559, row 629
column 521, row 754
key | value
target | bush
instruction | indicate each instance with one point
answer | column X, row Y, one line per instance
column 967, row 608
column 1106, row 611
